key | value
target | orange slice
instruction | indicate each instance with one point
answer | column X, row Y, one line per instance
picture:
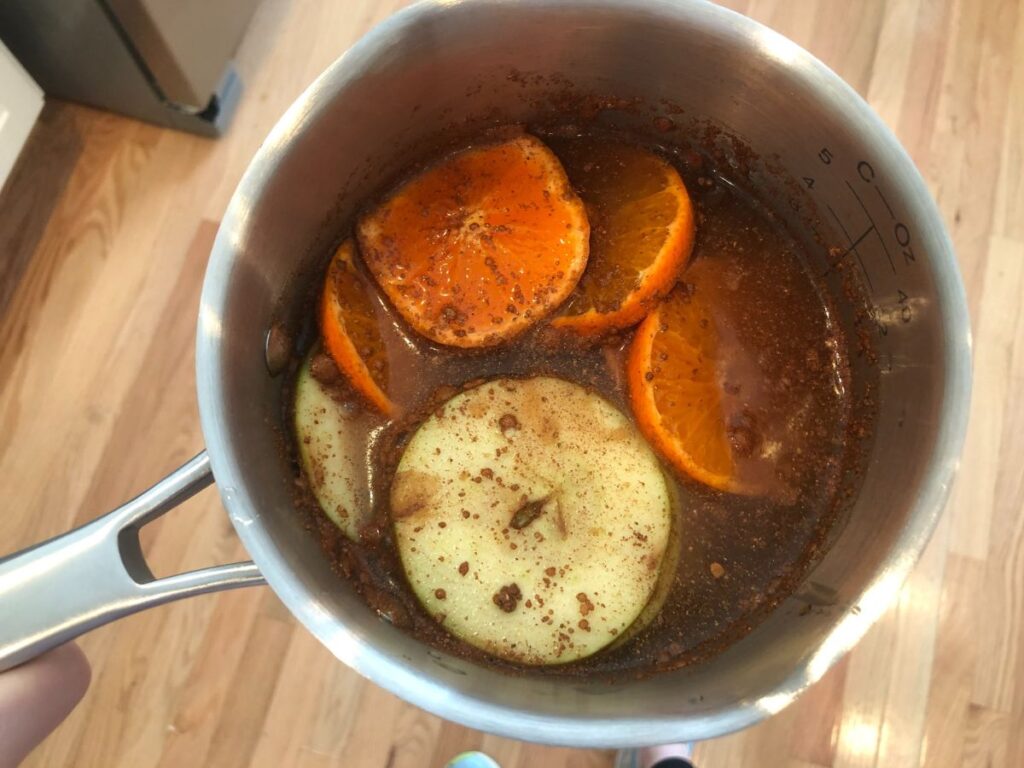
column 641, row 233
column 481, row 245
column 675, row 392
column 349, row 329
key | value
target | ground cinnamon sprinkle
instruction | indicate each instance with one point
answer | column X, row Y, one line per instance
column 508, row 597
column 586, row 606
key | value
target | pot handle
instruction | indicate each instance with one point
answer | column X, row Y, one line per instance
column 64, row 587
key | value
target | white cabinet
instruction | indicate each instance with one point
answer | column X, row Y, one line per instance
column 20, row 102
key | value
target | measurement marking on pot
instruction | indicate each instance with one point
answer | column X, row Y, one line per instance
column 900, row 230
column 853, row 245
column 885, row 201
column 898, row 310
column 848, row 251
column 892, row 264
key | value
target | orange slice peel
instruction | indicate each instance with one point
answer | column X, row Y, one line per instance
column 675, row 393
column 348, row 326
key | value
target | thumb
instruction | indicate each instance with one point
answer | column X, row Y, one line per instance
column 36, row 697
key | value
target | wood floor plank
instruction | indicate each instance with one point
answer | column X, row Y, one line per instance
column 31, row 192
column 453, row 740
column 505, row 751
column 1001, row 368
column 928, row 41
column 820, row 718
column 974, row 496
column 300, row 700
column 986, row 739
column 956, row 655
column 201, row 699
column 374, row 723
column 48, row 310
column 253, row 683
column 794, row 20
column 887, row 88
column 869, row 678
column 1009, row 218
column 916, row 616
column 965, row 159
column 110, row 243
column 851, row 43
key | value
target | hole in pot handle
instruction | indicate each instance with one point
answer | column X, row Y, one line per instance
column 64, row 587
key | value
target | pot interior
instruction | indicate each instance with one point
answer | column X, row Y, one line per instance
column 440, row 71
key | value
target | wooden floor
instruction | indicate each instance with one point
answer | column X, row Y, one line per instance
column 104, row 233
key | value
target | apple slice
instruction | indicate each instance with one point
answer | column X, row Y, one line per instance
column 664, row 584
column 331, row 453
column 531, row 519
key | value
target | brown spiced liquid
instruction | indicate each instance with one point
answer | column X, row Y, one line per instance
column 784, row 369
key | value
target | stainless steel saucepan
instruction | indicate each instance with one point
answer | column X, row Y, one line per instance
column 447, row 65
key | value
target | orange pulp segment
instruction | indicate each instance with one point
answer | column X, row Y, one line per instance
column 641, row 233
column 349, row 329
column 480, row 246
column 675, row 392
